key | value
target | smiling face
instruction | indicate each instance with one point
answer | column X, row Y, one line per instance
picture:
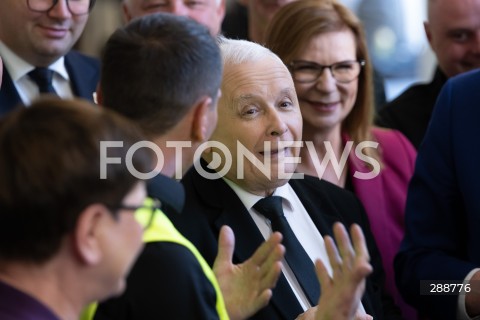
column 453, row 32
column 259, row 105
column 209, row 13
column 325, row 103
column 39, row 38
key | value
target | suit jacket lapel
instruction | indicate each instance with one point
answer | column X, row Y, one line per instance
column 83, row 76
column 9, row 97
column 322, row 219
column 247, row 237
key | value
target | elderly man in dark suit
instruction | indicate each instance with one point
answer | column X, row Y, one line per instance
column 259, row 119
column 36, row 38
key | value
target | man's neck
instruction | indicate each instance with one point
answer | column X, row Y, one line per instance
column 176, row 156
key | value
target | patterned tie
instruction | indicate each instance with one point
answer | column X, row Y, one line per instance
column 43, row 78
column 298, row 260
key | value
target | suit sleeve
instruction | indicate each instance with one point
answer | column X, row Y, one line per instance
column 435, row 239
column 167, row 282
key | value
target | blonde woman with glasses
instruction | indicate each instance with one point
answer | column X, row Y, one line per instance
column 323, row 44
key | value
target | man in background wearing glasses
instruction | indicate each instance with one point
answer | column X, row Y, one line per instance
column 36, row 37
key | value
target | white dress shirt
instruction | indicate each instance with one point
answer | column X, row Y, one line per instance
column 26, row 88
column 301, row 224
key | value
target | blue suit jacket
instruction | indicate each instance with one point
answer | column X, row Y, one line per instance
column 210, row 204
column 84, row 74
column 442, row 240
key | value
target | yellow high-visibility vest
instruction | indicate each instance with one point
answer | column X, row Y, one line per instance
column 163, row 230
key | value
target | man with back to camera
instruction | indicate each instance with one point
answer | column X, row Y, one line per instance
column 453, row 32
column 171, row 92
column 36, row 38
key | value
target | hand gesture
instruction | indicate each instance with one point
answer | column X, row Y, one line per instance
column 247, row 287
column 342, row 293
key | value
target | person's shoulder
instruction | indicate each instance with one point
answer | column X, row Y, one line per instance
column 408, row 99
column 164, row 255
column 397, row 152
column 391, row 139
column 165, row 264
column 321, row 188
column 166, row 277
column 74, row 56
column 466, row 80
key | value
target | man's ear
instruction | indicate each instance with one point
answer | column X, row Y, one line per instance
column 201, row 126
column 88, row 231
column 221, row 9
column 127, row 17
column 428, row 33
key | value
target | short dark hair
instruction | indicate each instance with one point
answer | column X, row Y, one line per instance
column 50, row 172
column 157, row 67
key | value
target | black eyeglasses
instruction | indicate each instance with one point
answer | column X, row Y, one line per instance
column 343, row 72
column 76, row 7
column 145, row 213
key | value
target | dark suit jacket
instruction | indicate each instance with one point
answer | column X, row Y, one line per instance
column 212, row 203
column 410, row 112
column 167, row 281
column 84, row 74
column 442, row 239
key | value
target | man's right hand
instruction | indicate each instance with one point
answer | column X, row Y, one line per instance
column 246, row 287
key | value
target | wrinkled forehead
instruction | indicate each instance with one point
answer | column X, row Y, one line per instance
column 261, row 71
column 255, row 83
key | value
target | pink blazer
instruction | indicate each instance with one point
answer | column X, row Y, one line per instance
column 384, row 198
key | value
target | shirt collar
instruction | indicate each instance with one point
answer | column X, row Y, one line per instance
column 18, row 68
column 249, row 199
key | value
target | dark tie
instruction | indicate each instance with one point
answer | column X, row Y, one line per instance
column 298, row 260
column 43, row 79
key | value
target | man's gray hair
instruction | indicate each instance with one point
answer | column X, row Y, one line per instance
column 236, row 52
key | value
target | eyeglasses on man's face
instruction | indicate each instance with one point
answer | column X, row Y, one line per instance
column 76, row 7
column 343, row 72
column 145, row 213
